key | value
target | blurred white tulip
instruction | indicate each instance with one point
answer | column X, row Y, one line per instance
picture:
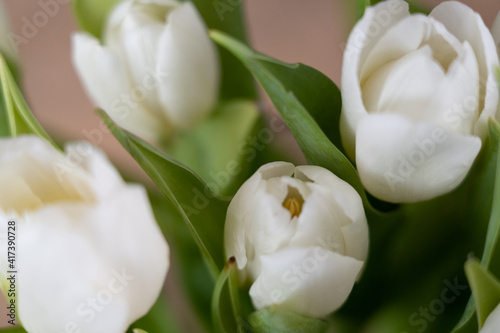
column 157, row 71
column 89, row 254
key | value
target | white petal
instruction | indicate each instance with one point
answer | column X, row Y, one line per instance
column 47, row 264
column 117, row 16
column 404, row 37
column 445, row 46
column 237, row 222
column 492, row 323
column 309, row 281
column 417, row 86
column 104, row 77
column 376, row 20
column 276, row 169
column 140, row 50
column 128, row 270
column 104, row 178
column 153, row 8
column 404, row 86
column 402, row 161
column 341, row 200
column 343, row 193
column 467, row 25
column 146, row 257
column 319, row 223
column 112, row 236
column 264, row 238
column 188, row 66
column 20, row 196
column 357, row 239
column 35, row 173
column 455, row 104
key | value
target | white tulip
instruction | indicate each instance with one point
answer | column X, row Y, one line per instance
column 5, row 44
column 492, row 324
column 157, row 71
column 90, row 256
column 417, row 94
column 300, row 235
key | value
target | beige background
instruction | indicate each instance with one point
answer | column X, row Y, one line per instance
column 308, row 31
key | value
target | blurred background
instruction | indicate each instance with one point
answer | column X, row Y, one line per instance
column 313, row 32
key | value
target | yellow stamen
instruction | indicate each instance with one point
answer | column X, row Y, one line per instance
column 294, row 207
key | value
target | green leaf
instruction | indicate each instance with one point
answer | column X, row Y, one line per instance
column 219, row 317
column 280, row 321
column 195, row 279
column 93, row 14
column 485, row 289
column 488, row 183
column 227, row 16
column 15, row 115
column 234, row 297
column 492, row 244
column 314, row 90
column 468, row 322
column 160, row 318
column 13, row 67
column 13, row 330
column 416, row 8
column 203, row 211
column 315, row 145
column 138, row 330
column 360, row 7
column 207, row 150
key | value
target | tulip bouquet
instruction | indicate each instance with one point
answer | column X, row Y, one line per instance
column 392, row 226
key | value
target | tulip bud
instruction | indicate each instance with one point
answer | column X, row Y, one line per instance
column 89, row 255
column 300, row 235
column 157, row 70
column 492, row 323
column 417, row 93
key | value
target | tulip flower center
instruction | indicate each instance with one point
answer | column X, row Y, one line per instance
column 294, row 207
column 293, row 202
